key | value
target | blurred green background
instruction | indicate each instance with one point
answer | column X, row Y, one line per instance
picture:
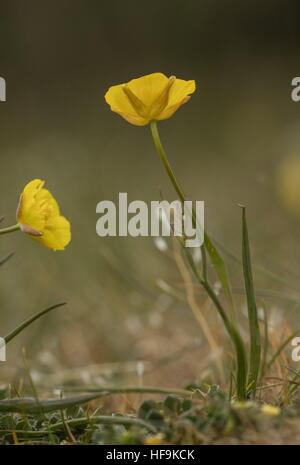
column 227, row 145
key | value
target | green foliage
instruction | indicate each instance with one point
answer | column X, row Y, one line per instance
column 173, row 420
column 255, row 344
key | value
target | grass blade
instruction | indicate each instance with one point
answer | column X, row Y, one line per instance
column 259, row 268
column 241, row 359
column 266, row 345
column 132, row 389
column 30, row 320
column 221, row 271
column 216, row 259
column 30, row 405
column 255, row 343
column 6, row 258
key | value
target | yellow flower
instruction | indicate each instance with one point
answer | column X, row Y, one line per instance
column 243, row 404
column 149, row 98
column 155, row 440
column 39, row 216
column 270, row 410
column 287, row 181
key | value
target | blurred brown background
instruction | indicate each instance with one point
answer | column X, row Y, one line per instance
column 227, row 146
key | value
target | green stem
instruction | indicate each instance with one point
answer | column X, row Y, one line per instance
column 220, row 268
column 15, row 227
column 233, row 333
column 165, row 161
column 163, row 156
column 30, row 320
column 132, row 389
column 216, row 259
column 32, row 405
column 255, row 344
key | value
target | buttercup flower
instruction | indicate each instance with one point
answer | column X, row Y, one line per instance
column 38, row 215
column 270, row 410
column 149, row 98
column 155, row 440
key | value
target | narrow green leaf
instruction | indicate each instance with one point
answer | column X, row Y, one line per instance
column 30, row 320
column 218, row 265
column 241, row 359
column 265, row 346
column 259, row 268
column 25, row 433
column 6, row 258
column 216, row 259
column 132, row 389
column 30, row 405
column 221, row 271
column 255, row 343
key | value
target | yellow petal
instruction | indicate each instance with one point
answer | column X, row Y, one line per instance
column 56, row 235
column 179, row 94
column 28, row 211
column 119, row 103
column 148, row 88
column 151, row 97
column 180, row 90
column 39, row 216
column 155, row 440
column 136, row 120
column 287, row 181
column 33, row 187
column 29, row 214
column 270, row 410
column 47, row 203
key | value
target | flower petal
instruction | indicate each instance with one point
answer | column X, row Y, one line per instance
column 178, row 95
column 56, row 235
column 39, row 216
column 28, row 211
column 119, row 103
column 47, row 203
column 148, row 88
column 33, row 187
column 151, row 97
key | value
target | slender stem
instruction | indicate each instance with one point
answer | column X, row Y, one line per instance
column 255, row 338
column 165, row 161
column 230, row 326
column 208, row 246
column 163, row 156
column 132, row 389
column 15, row 227
column 30, row 320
